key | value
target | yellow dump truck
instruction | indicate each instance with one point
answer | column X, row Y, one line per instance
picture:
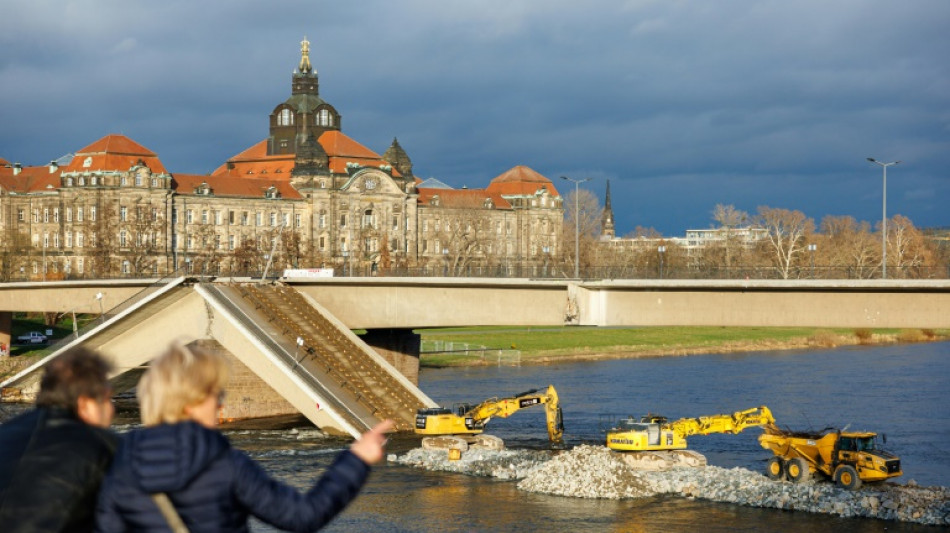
column 848, row 458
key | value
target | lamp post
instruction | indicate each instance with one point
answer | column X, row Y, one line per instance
column 445, row 262
column 883, row 215
column 577, row 225
column 99, row 297
column 812, row 248
column 660, row 250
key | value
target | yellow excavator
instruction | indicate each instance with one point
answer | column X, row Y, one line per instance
column 467, row 420
column 653, row 433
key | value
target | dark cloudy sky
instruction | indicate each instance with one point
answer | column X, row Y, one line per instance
column 680, row 104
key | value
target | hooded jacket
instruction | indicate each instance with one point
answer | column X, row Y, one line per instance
column 51, row 464
column 213, row 486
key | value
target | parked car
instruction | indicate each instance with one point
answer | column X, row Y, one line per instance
column 33, row 337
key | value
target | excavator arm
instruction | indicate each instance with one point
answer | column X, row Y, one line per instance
column 505, row 407
column 734, row 423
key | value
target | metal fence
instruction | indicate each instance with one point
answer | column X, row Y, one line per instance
column 484, row 353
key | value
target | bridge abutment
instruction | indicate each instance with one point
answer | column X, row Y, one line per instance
column 399, row 347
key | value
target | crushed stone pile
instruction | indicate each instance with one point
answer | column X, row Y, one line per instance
column 596, row 472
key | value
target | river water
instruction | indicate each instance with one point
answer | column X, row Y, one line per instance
column 900, row 390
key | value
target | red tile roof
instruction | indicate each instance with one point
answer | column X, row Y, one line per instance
column 521, row 181
column 113, row 152
column 463, row 198
column 340, row 148
column 30, row 179
column 224, row 185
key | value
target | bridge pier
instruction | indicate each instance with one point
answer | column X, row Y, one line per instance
column 248, row 396
column 399, row 347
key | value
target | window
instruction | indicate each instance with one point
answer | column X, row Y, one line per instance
column 122, row 238
column 45, row 214
column 230, row 217
column 124, row 181
column 217, row 218
column 155, row 184
column 82, row 180
column 190, row 243
column 56, row 214
column 93, row 180
column 138, row 179
column 46, row 240
column 154, row 214
column 230, row 242
column 79, row 241
column 56, row 240
column 217, row 242
column 80, row 265
column 395, row 221
column 342, row 221
column 126, row 267
column 92, row 213
column 322, row 219
column 190, row 216
column 123, row 213
column 297, row 220
column 324, row 118
column 244, row 219
column 369, row 220
column 78, row 214
column 273, row 219
column 285, row 117
column 69, row 214
column 259, row 218
column 204, row 216
column 20, row 215
column 286, row 218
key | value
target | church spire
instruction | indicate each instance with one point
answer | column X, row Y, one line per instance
column 607, row 219
column 305, row 67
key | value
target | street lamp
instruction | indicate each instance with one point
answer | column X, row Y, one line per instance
column 812, row 248
column 883, row 216
column 577, row 225
column 99, row 297
column 660, row 250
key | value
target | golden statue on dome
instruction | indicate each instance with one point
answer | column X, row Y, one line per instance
column 305, row 67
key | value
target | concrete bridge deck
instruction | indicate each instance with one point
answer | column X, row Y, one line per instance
column 329, row 375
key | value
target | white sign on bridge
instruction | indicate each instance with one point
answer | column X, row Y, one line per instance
column 308, row 273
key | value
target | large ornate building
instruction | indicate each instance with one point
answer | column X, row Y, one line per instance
column 306, row 196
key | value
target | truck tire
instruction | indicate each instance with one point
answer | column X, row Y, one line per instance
column 796, row 470
column 775, row 468
column 846, row 477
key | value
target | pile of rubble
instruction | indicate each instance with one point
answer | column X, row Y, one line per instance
column 596, row 472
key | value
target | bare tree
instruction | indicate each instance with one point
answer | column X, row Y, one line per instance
column 910, row 251
column 582, row 214
column 849, row 245
column 786, row 236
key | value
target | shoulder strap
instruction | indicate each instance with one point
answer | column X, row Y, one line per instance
column 168, row 511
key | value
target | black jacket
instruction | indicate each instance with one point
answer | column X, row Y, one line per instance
column 213, row 486
column 51, row 465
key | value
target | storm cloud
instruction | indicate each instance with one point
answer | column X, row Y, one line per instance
column 680, row 104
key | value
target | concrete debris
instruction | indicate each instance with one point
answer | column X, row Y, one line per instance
column 597, row 472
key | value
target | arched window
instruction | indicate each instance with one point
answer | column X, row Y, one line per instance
column 285, row 117
column 369, row 221
column 324, row 118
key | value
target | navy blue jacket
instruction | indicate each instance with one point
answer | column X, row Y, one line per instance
column 213, row 486
column 51, row 464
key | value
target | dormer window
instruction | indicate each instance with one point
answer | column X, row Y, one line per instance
column 272, row 193
column 87, row 162
column 92, row 180
column 82, row 181
column 285, row 117
column 488, row 204
column 204, row 189
column 435, row 200
column 324, row 118
column 69, row 182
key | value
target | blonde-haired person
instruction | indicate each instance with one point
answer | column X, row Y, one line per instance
column 212, row 486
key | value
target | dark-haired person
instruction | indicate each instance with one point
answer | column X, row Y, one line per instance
column 53, row 457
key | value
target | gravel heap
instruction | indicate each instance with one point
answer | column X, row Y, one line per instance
column 502, row 464
column 596, row 472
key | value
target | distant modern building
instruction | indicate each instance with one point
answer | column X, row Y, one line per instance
column 307, row 195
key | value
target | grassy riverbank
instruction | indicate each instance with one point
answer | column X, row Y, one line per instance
column 550, row 345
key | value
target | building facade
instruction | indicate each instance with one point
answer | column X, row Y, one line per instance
column 305, row 196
